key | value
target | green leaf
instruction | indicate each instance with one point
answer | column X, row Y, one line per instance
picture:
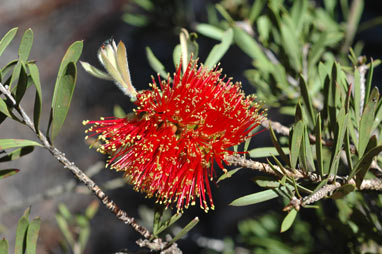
column 220, row 49
column 64, row 227
column 210, row 31
column 368, row 82
column 363, row 165
column 307, row 100
column 4, row 245
column 343, row 191
column 12, row 143
column 32, row 236
column 95, row 71
column 342, row 122
column 22, row 84
column 277, row 145
column 291, row 45
column 255, row 198
column 64, row 211
column 72, row 55
column 64, row 87
column 288, row 220
column 256, row 9
column 137, row 20
column 17, row 153
column 320, row 160
column 62, row 98
column 148, row 5
column 266, row 151
column 224, row 13
column 118, row 111
column 4, row 108
column 155, row 64
column 228, row 174
column 168, row 223
column 21, row 234
column 185, row 230
column 4, row 173
column 298, row 131
column 367, row 120
column 306, row 155
column 8, row 37
column 92, row 209
column 266, row 181
column 33, row 69
column 247, row 44
column 357, row 96
column 26, row 45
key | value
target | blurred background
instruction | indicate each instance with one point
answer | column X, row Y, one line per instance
column 58, row 23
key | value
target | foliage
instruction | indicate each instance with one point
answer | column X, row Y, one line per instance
column 303, row 66
column 26, row 235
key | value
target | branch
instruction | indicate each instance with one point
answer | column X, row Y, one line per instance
column 78, row 173
column 323, row 192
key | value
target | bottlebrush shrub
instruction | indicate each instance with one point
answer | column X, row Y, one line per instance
column 168, row 146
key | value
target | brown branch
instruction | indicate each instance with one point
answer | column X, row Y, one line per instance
column 78, row 173
column 325, row 191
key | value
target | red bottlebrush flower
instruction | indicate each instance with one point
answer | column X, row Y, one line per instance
column 167, row 147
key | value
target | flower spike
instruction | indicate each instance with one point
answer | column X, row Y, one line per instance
column 168, row 146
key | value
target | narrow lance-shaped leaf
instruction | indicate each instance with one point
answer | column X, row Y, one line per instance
column 320, row 160
column 306, row 155
column 26, row 45
column 32, row 236
column 307, row 100
column 220, row 49
column 157, row 218
column 339, row 139
column 185, row 230
column 17, row 153
column 8, row 37
column 277, row 145
column 21, row 84
column 4, row 246
column 228, row 174
column 4, row 173
column 38, row 97
column 363, row 165
column 255, row 11
column 266, row 151
column 12, row 143
column 357, row 96
column 64, row 227
column 298, row 131
column 251, row 48
column 255, row 198
column 368, row 82
column 155, row 64
column 210, row 31
column 367, row 120
column 63, row 97
column 168, row 223
column 4, row 108
column 21, row 230
column 72, row 55
column 288, row 220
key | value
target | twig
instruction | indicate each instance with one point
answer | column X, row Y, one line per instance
column 368, row 184
column 276, row 126
column 78, row 173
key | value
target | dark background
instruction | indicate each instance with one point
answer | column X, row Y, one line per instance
column 58, row 23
